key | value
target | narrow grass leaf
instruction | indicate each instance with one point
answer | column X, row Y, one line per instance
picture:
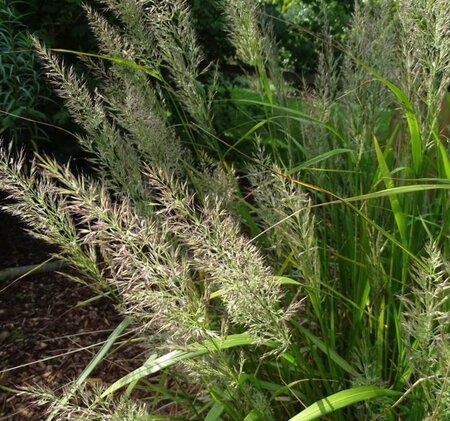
column 342, row 399
column 247, row 135
column 195, row 350
column 284, row 280
column 299, row 116
column 347, row 201
column 132, row 385
column 320, row 158
column 215, row 412
column 410, row 114
column 393, row 199
column 94, row 362
column 118, row 60
column 444, row 158
column 254, row 415
column 333, row 355
column 413, row 188
column 93, row 299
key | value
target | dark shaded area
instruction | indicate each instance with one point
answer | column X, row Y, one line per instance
column 211, row 30
column 59, row 24
column 38, row 119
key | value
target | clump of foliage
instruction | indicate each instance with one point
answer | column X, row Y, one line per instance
column 315, row 280
column 21, row 87
column 297, row 21
column 30, row 112
column 210, row 25
column 58, row 23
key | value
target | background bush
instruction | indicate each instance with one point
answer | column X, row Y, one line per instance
column 22, row 87
column 25, row 91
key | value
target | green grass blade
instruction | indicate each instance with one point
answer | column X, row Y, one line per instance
column 319, row 158
column 333, row 355
column 284, row 280
column 410, row 114
column 132, row 385
column 196, row 350
column 94, row 362
column 254, row 415
column 247, row 135
column 93, row 299
column 294, row 114
column 288, row 388
column 103, row 351
column 393, row 199
column 215, row 412
column 342, row 399
column 444, row 158
column 9, row 390
column 383, row 193
column 392, row 192
column 118, row 60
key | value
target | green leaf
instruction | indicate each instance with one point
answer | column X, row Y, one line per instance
column 118, row 60
column 394, row 191
column 215, row 412
column 132, row 385
column 195, row 350
column 342, row 399
column 410, row 114
column 295, row 115
column 382, row 193
column 333, row 355
column 393, row 199
column 253, row 415
column 246, row 135
column 94, row 362
column 444, row 158
column 284, row 280
column 319, row 158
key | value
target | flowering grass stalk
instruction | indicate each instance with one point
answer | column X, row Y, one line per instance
column 313, row 283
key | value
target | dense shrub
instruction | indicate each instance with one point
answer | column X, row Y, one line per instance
column 22, row 89
column 60, row 24
column 305, row 23
column 30, row 111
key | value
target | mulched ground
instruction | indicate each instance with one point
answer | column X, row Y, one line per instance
column 42, row 329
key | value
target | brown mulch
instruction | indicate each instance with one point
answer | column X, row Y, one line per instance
column 43, row 331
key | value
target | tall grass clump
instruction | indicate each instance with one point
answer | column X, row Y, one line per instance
column 310, row 281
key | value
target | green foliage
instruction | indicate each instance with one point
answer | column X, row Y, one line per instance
column 59, row 23
column 293, row 22
column 310, row 276
column 210, row 24
column 21, row 86
column 25, row 89
column 30, row 112
column 301, row 25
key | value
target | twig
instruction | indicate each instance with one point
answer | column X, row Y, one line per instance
column 20, row 271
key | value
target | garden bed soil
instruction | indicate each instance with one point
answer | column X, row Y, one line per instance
column 46, row 339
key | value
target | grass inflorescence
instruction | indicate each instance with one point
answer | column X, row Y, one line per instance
column 301, row 270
